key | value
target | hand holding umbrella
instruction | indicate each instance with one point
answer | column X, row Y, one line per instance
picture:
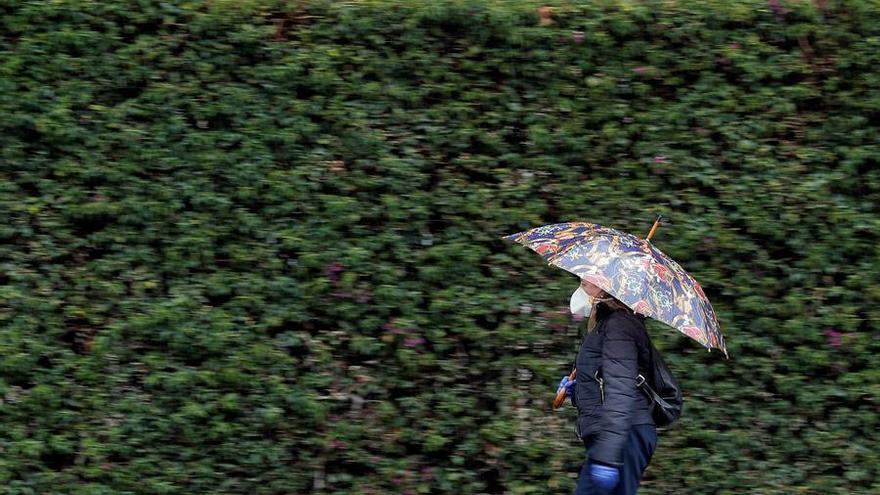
column 563, row 392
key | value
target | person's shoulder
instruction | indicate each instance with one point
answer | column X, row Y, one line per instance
column 622, row 316
column 624, row 323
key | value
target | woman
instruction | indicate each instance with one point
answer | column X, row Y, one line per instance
column 614, row 416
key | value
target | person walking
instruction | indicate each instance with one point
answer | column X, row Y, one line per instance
column 621, row 387
column 614, row 416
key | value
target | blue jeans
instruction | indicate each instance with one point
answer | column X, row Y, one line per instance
column 637, row 452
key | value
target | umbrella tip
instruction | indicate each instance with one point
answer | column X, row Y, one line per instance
column 654, row 227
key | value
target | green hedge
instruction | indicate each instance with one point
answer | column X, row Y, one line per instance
column 253, row 246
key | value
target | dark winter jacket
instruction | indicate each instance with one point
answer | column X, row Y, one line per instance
column 619, row 348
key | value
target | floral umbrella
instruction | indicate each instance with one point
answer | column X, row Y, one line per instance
column 632, row 270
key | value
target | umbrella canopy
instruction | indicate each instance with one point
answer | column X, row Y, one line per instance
column 632, row 270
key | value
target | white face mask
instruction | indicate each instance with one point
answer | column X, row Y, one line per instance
column 581, row 303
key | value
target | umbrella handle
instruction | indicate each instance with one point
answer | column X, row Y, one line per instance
column 560, row 397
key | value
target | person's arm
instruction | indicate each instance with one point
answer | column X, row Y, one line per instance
column 620, row 367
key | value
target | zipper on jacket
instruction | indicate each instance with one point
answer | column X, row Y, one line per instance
column 601, row 387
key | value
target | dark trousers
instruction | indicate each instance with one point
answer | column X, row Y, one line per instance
column 637, row 452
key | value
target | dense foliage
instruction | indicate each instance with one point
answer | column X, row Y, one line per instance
column 254, row 246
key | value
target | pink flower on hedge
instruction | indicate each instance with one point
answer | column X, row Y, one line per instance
column 337, row 444
column 412, row 342
column 392, row 327
column 555, row 319
column 640, row 69
column 578, row 37
column 427, row 473
column 777, row 8
column 660, row 159
column 333, row 270
column 363, row 296
column 835, row 338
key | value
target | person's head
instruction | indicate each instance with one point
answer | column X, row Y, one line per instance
column 600, row 297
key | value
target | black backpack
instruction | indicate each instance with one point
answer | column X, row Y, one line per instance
column 662, row 389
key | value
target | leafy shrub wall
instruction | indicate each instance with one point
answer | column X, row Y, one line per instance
column 253, row 246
